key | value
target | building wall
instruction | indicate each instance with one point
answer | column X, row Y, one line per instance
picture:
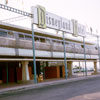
column 19, row 74
column 52, row 72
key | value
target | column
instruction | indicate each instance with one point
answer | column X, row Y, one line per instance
column 25, row 71
column 69, row 66
column 95, row 67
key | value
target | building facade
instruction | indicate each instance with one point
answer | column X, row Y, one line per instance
column 16, row 56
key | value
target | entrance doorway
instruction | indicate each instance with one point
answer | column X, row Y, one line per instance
column 61, row 73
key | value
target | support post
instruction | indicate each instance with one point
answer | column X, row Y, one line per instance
column 83, row 67
column 25, row 71
column 65, row 61
column 34, row 60
column 79, row 67
column 7, row 71
column 95, row 67
column 69, row 66
column 85, row 56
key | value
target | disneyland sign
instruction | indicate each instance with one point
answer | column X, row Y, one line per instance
column 46, row 19
column 55, row 22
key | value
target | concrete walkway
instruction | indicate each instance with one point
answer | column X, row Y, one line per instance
column 22, row 87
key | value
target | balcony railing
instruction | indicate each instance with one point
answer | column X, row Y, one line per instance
column 27, row 44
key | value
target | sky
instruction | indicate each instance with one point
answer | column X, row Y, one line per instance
column 87, row 12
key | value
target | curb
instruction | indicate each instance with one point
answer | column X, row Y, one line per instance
column 44, row 84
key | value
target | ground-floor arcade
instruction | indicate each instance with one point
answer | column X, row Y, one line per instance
column 23, row 71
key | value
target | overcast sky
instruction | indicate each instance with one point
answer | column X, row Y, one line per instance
column 87, row 12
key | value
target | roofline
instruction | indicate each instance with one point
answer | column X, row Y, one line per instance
column 37, row 32
column 51, row 60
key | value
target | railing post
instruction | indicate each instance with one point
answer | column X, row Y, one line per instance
column 98, row 50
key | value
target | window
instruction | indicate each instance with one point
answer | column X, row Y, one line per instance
column 21, row 36
column 37, row 39
column 3, row 33
column 96, row 48
column 42, row 40
column 47, row 41
column 59, row 42
column 54, row 42
column 67, row 42
column 10, row 34
column 82, row 46
column 28, row 37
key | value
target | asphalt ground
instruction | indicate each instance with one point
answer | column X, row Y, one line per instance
column 87, row 89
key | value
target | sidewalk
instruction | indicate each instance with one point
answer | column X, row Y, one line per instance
column 22, row 87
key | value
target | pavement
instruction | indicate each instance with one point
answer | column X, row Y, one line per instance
column 23, row 87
